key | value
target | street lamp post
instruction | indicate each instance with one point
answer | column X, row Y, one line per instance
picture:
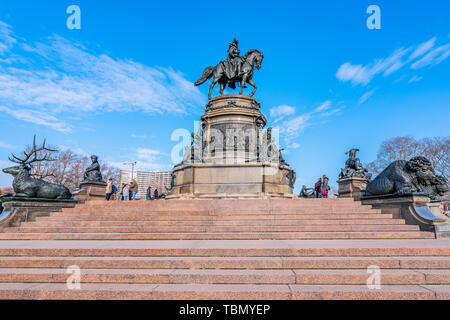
column 132, row 167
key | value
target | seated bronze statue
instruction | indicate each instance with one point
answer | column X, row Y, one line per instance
column 93, row 172
column 354, row 168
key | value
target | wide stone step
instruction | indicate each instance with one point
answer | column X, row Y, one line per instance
column 205, row 276
column 43, row 222
column 210, row 229
column 195, row 263
column 244, row 248
column 220, row 291
column 218, row 218
column 219, row 236
column 225, row 203
column 240, row 211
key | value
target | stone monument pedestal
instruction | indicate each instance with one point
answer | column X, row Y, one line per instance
column 231, row 156
column 352, row 187
column 415, row 209
column 91, row 190
column 17, row 210
column 246, row 180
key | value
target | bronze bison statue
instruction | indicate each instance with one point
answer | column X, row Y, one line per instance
column 407, row 177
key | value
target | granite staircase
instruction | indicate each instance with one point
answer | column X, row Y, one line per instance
column 222, row 249
column 217, row 220
column 227, row 269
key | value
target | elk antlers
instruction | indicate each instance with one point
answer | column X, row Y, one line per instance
column 34, row 152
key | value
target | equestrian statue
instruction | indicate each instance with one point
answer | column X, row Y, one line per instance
column 235, row 69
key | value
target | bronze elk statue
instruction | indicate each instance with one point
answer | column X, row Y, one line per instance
column 26, row 186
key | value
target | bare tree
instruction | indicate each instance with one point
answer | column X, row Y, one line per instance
column 67, row 168
column 43, row 170
column 437, row 150
column 110, row 172
column 77, row 170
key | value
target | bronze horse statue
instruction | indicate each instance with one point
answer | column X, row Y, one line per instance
column 251, row 59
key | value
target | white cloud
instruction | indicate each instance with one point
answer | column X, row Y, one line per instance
column 415, row 79
column 76, row 150
column 7, row 39
column 6, row 145
column 359, row 74
column 142, row 166
column 363, row 74
column 56, row 76
column 366, row 96
column 324, row 106
column 138, row 136
column 144, row 163
column 291, row 128
column 147, row 154
column 355, row 73
column 281, row 112
column 147, row 160
column 38, row 117
column 293, row 145
column 433, row 57
column 422, row 49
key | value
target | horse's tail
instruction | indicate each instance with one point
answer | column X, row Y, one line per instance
column 207, row 73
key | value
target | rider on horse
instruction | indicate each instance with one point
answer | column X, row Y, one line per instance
column 234, row 61
column 235, row 69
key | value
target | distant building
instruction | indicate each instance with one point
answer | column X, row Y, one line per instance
column 155, row 179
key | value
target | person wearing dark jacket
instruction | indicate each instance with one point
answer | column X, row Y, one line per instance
column 318, row 188
column 149, row 193
column 133, row 189
column 155, row 194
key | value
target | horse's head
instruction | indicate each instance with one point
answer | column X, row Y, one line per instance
column 254, row 57
column 258, row 60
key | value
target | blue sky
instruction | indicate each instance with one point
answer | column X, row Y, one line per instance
column 121, row 85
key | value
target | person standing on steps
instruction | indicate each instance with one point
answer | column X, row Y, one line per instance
column 109, row 185
column 119, row 193
column 155, row 194
column 325, row 186
column 318, row 188
column 125, row 192
column 134, row 189
column 113, row 192
column 149, row 193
